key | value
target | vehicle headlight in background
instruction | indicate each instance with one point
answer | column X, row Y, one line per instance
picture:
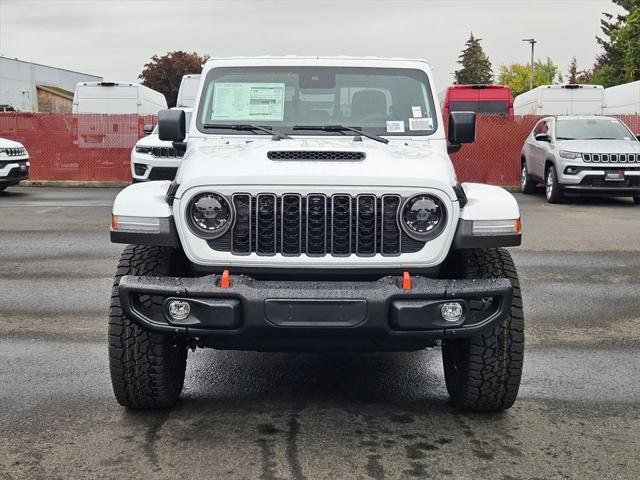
column 140, row 149
column 210, row 215
column 423, row 217
column 570, row 155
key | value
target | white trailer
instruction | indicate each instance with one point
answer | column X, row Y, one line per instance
column 116, row 98
column 188, row 90
column 561, row 100
column 623, row 99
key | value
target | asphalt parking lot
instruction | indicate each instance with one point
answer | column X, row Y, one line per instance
column 280, row 416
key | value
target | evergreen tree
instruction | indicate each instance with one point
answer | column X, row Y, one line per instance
column 476, row 66
column 573, row 71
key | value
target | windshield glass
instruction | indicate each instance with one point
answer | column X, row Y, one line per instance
column 383, row 101
column 592, row 128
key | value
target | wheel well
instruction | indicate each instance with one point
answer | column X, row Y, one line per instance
column 547, row 163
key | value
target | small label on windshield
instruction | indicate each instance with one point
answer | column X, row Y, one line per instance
column 248, row 102
column 416, row 111
column 395, row 126
column 420, row 124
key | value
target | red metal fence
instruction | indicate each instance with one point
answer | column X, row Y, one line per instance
column 98, row 147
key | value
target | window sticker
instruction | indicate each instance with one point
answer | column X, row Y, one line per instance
column 416, row 111
column 420, row 124
column 248, row 101
column 395, row 126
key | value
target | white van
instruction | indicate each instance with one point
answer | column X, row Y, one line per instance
column 115, row 98
column 561, row 100
column 623, row 99
column 188, row 90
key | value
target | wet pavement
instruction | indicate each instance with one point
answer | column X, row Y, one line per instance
column 280, row 416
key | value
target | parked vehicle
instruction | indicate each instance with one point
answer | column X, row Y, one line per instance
column 623, row 99
column 294, row 226
column 155, row 159
column 485, row 99
column 561, row 100
column 14, row 163
column 120, row 101
column 188, row 90
column 581, row 155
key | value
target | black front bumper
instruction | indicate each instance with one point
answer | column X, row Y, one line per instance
column 307, row 315
column 598, row 185
column 16, row 174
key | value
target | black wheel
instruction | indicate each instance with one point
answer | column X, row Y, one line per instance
column 483, row 373
column 551, row 186
column 3, row 188
column 636, row 199
column 147, row 369
column 527, row 185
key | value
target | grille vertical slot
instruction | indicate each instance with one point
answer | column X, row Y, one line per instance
column 390, row 240
column 266, row 225
column 316, row 224
column 341, row 225
column 366, row 229
column 291, row 224
column 241, row 235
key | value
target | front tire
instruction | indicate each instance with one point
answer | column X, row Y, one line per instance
column 483, row 373
column 527, row 186
column 636, row 199
column 551, row 187
column 147, row 368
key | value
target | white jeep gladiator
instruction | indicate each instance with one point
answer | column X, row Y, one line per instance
column 316, row 208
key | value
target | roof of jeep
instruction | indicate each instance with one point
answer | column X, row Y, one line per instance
column 311, row 57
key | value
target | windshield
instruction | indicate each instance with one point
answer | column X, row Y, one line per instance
column 592, row 128
column 382, row 101
column 488, row 107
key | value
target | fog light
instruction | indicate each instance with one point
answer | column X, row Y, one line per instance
column 451, row 312
column 179, row 310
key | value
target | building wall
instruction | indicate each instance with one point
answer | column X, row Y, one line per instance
column 53, row 103
column 18, row 82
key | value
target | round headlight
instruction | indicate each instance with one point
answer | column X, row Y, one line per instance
column 423, row 217
column 210, row 215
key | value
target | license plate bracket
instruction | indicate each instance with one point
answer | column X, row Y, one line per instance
column 614, row 176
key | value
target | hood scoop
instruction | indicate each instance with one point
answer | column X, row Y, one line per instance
column 316, row 155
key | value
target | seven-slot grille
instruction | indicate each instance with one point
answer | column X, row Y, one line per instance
column 316, row 225
column 164, row 152
column 611, row 157
column 14, row 151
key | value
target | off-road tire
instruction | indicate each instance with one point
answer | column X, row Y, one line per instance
column 636, row 199
column 482, row 373
column 147, row 369
column 552, row 190
column 527, row 185
column 3, row 188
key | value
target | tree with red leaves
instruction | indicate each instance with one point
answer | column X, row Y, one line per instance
column 164, row 73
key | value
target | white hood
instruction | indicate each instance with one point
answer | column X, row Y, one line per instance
column 400, row 163
column 6, row 143
column 599, row 146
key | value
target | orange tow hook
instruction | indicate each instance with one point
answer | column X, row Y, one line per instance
column 224, row 280
column 406, row 281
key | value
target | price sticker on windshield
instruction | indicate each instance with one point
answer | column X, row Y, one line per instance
column 395, row 126
column 420, row 124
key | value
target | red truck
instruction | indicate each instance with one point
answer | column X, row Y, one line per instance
column 483, row 99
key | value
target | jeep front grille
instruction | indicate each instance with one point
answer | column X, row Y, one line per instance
column 316, row 225
column 165, row 152
column 611, row 157
column 14, row 151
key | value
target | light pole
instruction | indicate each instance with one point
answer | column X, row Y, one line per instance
column 533, row 42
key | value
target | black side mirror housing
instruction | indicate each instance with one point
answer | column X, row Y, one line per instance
column 171, row 125
column 543, row 137
column 147, row 129
column 462, row 129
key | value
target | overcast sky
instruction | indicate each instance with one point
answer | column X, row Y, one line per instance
column 115, row 38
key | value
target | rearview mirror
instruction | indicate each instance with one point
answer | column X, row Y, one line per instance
column 147, row 129
column 462, row 129
column 171, row 125
column 543, row 137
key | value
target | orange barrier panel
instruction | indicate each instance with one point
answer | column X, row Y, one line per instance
column 97, row 147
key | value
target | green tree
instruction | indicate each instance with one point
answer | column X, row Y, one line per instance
column 476, row 66
column 573, row 71
column 619, row 61
column 518, row 75
column 164, row 73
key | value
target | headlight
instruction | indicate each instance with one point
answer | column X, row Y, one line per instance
column 143, row 149
column 209, row 215
column 570, row 155
column 423, row 217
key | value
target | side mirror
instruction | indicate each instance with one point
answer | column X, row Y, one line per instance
column 171, row 125
column 147, row 129
column 543, row 137
column 462, row 129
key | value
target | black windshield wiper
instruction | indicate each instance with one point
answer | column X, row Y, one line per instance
column 601, row 138
column 248, row 128
column 565, row 138
column 341, row 128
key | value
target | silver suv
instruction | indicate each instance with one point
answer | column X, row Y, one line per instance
column 581, row 155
